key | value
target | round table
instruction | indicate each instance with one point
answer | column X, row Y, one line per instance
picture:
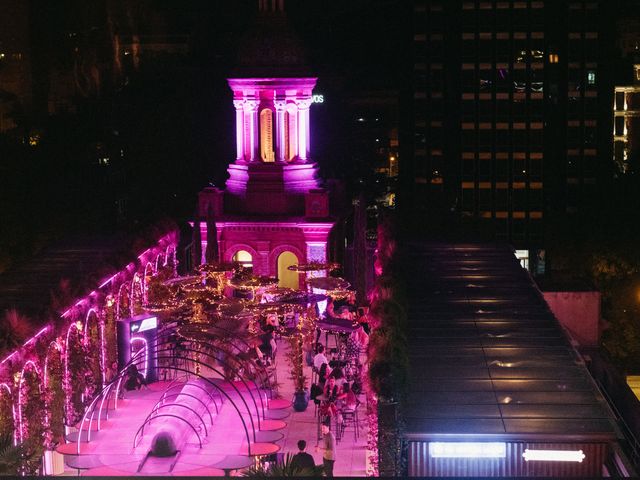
column 72, row 448
column 233, row 462
column 276, row 414
column 278, row 404
column 83, row 462
column 268, row 425
column 260, row 449
column 203, row 472
column 105, row 472
column 268, row 437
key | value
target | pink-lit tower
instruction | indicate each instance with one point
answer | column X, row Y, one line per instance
column 273, row 212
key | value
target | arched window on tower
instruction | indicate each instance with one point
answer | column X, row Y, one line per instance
column 266, row 135
column 244, row 258
column 291, row 132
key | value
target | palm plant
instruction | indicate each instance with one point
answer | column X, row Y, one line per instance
column 16, row 459
column 14, row 330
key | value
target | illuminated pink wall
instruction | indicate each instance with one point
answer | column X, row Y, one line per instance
column 13, row 365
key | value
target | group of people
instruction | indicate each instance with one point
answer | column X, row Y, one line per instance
column 303, row 460
column 337, row 392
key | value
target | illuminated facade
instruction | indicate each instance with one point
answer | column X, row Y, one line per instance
column 626, row 127
column 273, row 212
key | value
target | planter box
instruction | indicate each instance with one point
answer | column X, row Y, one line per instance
column 52, row 463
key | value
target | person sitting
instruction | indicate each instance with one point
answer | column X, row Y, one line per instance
column 302, row 460
column 320, row 358
column 135, row 380
column 338, row 375
column 333, row 312
column 323, row 373
column 331, row 391
column 347, row 398
column 346, row 304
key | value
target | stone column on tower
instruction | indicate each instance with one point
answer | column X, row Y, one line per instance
column 281, row 139
column 251, row 136
column 303, row 128
column 239, row 106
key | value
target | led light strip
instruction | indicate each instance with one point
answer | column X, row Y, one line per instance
column 468, row 449
column 135, row 357
column 553, row 455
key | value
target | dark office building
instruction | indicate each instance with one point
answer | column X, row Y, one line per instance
column 511, row 112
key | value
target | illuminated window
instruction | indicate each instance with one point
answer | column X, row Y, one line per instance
column 553, row 58
column 244, row 258
column 266, row 135
column 591, row 78
column 291, row 133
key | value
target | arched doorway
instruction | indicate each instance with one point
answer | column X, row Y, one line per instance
column 244, row 258
column 286, row 277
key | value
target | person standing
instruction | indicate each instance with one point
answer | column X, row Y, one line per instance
column 328, row 447
column 302, row 460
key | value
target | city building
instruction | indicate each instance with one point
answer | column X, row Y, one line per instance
column 509, row 112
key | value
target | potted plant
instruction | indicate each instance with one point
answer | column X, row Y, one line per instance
column 295, row 357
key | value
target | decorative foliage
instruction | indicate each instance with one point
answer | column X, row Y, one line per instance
column 110, row 343
column 33, row 416
column 16, row 460
column 372, row 436
column 295, row 357
column 14, row 330
column 54, row 398
column 94, row 349
column 157, row 292
column 78, row 374
column 7, row 426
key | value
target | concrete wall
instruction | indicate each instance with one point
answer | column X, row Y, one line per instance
column 579, row 313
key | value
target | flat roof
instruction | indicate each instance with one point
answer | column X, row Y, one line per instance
column 488, row 358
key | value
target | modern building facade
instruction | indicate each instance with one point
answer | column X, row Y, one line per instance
column 507, row 111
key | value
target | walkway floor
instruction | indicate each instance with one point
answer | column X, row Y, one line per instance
column 113, row 444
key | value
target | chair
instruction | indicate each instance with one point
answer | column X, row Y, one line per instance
column 350, row 419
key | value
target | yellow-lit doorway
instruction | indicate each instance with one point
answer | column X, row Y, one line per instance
column 286, row 277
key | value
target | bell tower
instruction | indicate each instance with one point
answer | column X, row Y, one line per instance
column 273, row 209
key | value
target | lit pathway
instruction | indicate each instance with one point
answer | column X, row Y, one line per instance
column 112, row 446
column 350, row 454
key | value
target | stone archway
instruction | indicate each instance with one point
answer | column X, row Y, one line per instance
column 231, row 252
column 277, row 251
